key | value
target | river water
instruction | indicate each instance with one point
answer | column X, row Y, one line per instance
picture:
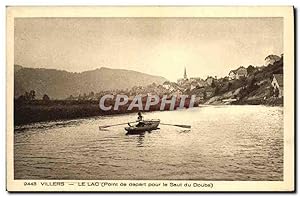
column 224, row 143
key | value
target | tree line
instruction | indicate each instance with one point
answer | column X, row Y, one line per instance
column 31, row 96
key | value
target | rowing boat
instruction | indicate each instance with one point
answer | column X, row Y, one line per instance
column 143, row 126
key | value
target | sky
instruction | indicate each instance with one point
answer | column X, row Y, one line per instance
column 157, row 46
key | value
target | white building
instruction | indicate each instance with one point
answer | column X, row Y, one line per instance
column 277, row 83
column 238, row 73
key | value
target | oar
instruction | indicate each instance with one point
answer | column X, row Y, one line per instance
column 178, row 125
column 106, row 126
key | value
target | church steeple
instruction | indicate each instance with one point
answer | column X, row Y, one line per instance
column 185, row 75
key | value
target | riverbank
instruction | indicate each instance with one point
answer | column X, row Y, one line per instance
column 40, row 111
column 52, row 110
column 272, row 101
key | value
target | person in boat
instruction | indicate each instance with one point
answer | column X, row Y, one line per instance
column 140, row 117
column 140, row 120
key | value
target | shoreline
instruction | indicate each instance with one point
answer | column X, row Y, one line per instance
column 54, row 110
column 69, row 112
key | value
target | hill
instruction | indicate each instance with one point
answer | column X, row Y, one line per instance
column 59, row 84
column 256, row 88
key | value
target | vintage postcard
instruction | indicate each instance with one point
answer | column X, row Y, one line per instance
column 173, row 99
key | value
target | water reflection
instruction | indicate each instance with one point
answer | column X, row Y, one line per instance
column 140, row 140
column 139, row 137
column 184, row 131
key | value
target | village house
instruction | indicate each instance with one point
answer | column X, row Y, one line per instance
column 182, row 81
column 170, row 86
column 167, row 85
column 194, row 84
column 209, row 80
column 231, row 74
column 176, row 93
column 238, row 73
column 200, row 82
column 277, row 83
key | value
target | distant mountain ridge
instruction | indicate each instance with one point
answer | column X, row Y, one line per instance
column 60, row 84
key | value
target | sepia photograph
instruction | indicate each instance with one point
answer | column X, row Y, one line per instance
column 159, row 103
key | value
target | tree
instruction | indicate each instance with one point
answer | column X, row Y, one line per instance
column 46, row 97
column 213, row 85
column 71, row 97
column 217, row 90
column 27, row 96
column 204, row 95
column 250, row 69
column 32, row 95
